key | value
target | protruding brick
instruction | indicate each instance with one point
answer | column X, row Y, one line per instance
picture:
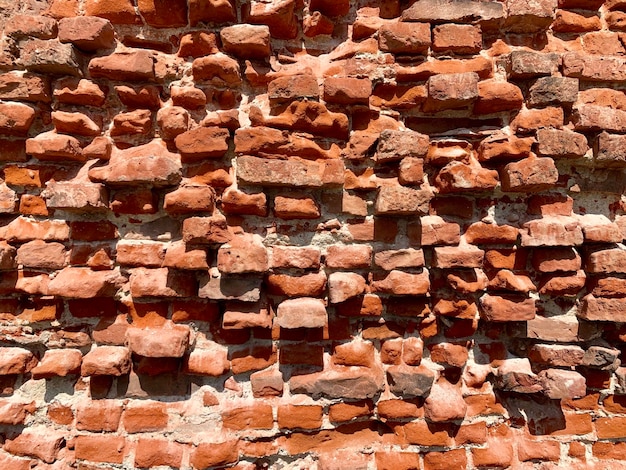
column 211, row 11
column 211, row 454
column 124, row 66
column 498, row 308
column 301, row 313
column 158, row 342
column 58, row 362
column 451, row 91
column 404, row 38
column 36, row 442
column 87, row 33
column 106, row 360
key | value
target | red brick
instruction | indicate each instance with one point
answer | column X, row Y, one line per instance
column 100, row 448
column 87, row 33
column 444, row 403
column 461, row 177
column 99, row 415
column 602, row 309
column 106, row 360
column 218, row 68
column 257, row 416
column 302, row 207
column 458, row 257
column 451, row 91
column 495, row 96
column 452, row 459
column 529, row 175
column 460, row 39
column 609, row 450
column 401, row 283
column 303, row 312
column 496, row 454
column 350, row 410
column 211, row 11
column 235, row 201
column 347, row 90
column 398, row 409
column 424, row 434
column 561, row 143
column 37, row 442
column 60, row 414
column 252, row 358
column 267, row 383
column 145, row 417
column 207, row 362
column 397, row 461
column 292, row 172
column 155, row 452
column 356, row 353
column 611, row 428
column 170, row 341
column 14, row 360
column 214, row 454
column 124, row 66
column 300, row 416
column 58, row 363
column 499, row 308
column 404, row 38
column 349, row 256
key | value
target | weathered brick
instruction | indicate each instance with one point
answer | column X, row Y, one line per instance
column 211, row 454
column 257, row 416
column 402, row 200
column 87, row 33
column 529, row 18
column 211, row 11
column 552, row 231
column 448, row 460
column 36, row 442
column 404, row 38
column 561, row 143
column 499, row 308
column 124, row 66
column 57, row 362
column 301, row 313
column 99, row 415
column 461, row 12
column 291, row 172
column 451, row 91
column 300, row 416
column 611, row 260
column 106, row 360
column 101, row 448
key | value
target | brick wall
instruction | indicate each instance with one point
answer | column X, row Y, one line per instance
column 312, row 234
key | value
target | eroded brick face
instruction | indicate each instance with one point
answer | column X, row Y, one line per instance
column 315, row 234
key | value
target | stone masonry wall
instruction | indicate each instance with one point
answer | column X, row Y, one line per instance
column 312, row 234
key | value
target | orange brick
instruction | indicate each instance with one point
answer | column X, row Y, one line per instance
column 300, row 416
column 450, row 460
column 347, row 411
column 475, row 433
column 397, row 461
column 425, row 434
column 100, row 448
column 611, row 428
column 609, row 450
column 144, row 417
column 496, row 454
column 257, row 416
column 538, row 450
